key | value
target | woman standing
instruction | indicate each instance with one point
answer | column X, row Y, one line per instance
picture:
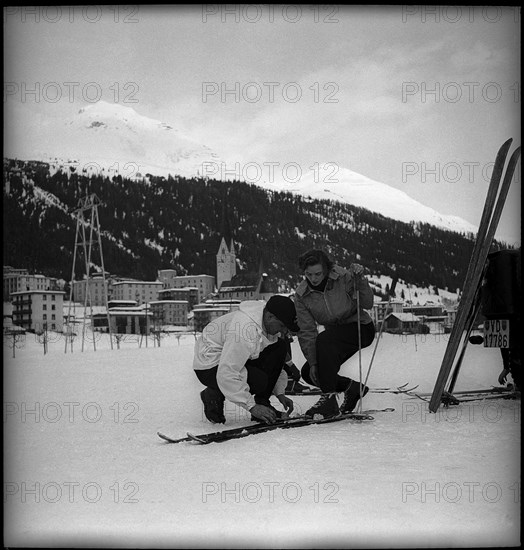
column 327, row 297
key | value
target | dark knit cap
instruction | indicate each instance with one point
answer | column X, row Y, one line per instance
column 283, row 308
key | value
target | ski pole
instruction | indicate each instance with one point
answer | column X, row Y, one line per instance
column 391, row 294
column 359, row 408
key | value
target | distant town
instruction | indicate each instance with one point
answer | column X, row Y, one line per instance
column 172, row 302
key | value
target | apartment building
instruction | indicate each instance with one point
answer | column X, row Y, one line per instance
column 38, row 309
column 204, row 283
column 16, row 280
column 95, row 288
column 169, row 312
column 383, row 308
column 188, row 294
column 140, row 291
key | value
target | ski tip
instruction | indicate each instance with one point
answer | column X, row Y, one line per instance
column 504, row 148
column 194, row 437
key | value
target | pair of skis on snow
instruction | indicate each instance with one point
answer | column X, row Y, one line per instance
column 284, row 423
column 315, row 391
column 470, row 300
column 458, row 397
column 260, row 427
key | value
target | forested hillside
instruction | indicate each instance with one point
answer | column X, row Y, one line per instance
column 177, row 223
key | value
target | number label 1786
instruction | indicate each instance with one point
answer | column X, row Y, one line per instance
column 496, row 333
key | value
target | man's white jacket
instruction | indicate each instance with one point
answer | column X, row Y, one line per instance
column 231, row 340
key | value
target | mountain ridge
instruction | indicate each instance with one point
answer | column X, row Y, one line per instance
column 115, row 139
column 359, row 190
column 177, row 223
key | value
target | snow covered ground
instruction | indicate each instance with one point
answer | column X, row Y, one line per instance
column 84, row 467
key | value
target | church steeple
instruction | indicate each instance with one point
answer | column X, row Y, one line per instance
column 226, row 257
column 226, row 262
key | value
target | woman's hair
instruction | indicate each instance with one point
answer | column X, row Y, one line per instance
column 314, row 257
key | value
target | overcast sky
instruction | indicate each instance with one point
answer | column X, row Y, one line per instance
column 420, row 98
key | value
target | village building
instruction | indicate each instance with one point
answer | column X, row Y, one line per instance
column 188, row 294
column 16, row 280
column 92, row 291
column 384, row 307
column 130, row 320
column 141, row 291
column 204, row 283
column 169, row 312
column 38, row 310
column 243, row 285
column 401, row 323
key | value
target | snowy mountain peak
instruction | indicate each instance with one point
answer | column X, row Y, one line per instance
column 114, row 138
column 103, row 114
column 350, row 187
column 110, row 137
column 105, row 109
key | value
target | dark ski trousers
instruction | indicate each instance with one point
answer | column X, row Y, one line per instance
column 335, row 345
column 262, row 372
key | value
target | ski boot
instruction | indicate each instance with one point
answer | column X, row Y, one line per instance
column 213, row 405
column 352, row 396
column 326, row 406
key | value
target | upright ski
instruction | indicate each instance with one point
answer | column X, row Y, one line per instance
column 481, row 267
column 469, row 326
column 488, row 224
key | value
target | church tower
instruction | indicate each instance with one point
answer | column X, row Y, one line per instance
column 226, row 257
column 226, row 262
